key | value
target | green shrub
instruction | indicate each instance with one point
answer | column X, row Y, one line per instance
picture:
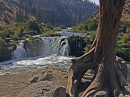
column 123, row 53
column 33, row 26
column 50, row 33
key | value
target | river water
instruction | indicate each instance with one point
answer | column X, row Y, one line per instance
column 56, row 54
column 32, row 64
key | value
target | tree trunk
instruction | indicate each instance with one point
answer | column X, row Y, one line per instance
column 108, row 81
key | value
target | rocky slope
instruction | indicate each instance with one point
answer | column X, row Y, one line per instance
column 125, row 13
column 67, row 12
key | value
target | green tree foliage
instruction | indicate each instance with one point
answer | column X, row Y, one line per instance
column 123, row 47
column 123, row 39
column 125, row 27
column 20, row 30
column 33, row 26
column 2, row 43
column 20, row 15
column 90, row 25
column 10, row 35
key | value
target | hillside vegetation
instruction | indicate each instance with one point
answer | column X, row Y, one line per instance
column 125, row 13
column 123, row 40
column 10, row 35
column 56, row 12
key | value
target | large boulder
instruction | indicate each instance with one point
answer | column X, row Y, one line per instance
column 43, row 89
column 34, row 47
column 51, row 82
column 77, row 45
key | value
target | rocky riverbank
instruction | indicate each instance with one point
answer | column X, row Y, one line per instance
column 44, row 83
column 33, row 84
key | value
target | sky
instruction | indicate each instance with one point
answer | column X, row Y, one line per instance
column 96, row 1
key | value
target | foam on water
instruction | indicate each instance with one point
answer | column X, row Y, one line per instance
column 56, row 53
column 20, row 52
column 35, row 64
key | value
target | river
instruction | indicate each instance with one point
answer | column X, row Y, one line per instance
column 56, row 54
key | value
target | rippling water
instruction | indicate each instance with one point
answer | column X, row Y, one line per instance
column 32, row 64
column 38, row 63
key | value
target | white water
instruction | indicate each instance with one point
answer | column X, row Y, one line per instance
column 56, row 45
column 66, row 33
column 48, row 50
column 32, row 64
column 55, row 53
column 64, row 51
column 20, row 52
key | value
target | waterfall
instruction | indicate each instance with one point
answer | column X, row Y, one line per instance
column 47, row 49
column 51, row 45
column 19, row 52
column 40, row 52
column 64, row 51
column 56, row 45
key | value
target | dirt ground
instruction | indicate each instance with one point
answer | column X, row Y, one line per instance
column 11, row 85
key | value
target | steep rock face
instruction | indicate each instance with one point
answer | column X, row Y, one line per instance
column 77, row 45
column 67, row 12
column 6, row 51
column 34, row 47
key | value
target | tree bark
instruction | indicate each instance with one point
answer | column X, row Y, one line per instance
column 108, row 81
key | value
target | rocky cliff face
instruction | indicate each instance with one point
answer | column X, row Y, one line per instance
column 67, row 12
column 77, row 46
column 34, row 47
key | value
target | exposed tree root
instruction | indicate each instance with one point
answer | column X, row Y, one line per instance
column 77, row 70
column 122, row 81
column 108, row 80
column 101, row 86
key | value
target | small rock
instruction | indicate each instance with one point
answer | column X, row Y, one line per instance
column 40, row 77
column 60, row 92
column 34, row 79
column 45, row 77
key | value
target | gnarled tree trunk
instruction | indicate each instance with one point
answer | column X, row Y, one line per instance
column 108, row 80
